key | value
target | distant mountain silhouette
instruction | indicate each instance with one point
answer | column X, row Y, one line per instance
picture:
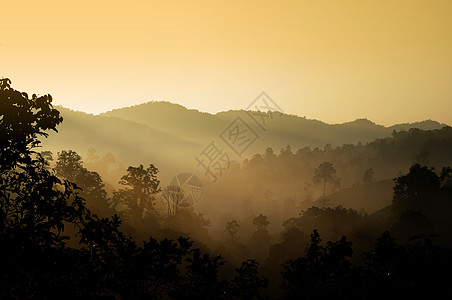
column 282, row 129
column 171, row 135
column 424, row 125
column 178, row 120
column 130, row 142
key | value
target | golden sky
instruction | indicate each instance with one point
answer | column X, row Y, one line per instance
column 389, row 61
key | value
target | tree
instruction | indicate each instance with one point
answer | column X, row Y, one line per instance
column 286, row 153
column 325, row 219
column 324, row 272
column 325, row 173
column 100, row 164
column 369, row 176
column 33, row 200
column 327, row 148
column 232, row 227
column 136, row 201
column 261, row 222
column 173, row 196
column 35, row 205
column 69, row 166
column 260, row 241
column 269, row 153
column 420, row 201
column 446, row 178
column 413, row 190
column 247, row 284
column 36, row 262
column 22, row 120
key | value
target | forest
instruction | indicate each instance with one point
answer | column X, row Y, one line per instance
column 369, row 220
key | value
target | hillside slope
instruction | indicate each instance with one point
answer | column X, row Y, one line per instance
column 171, row 136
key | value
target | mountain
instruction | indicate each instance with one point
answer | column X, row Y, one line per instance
column 171, row 136
column 424, row 125
column 130, row 142
column 280, row 129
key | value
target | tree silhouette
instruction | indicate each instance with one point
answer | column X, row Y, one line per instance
column 35, row 205
column 369, row 176
column 22, row 120
column 173, row 196
column 260, row 241
column 325, row 173
column 412, row 191
column 247, row 284
column 232, row 227
column 261, row 222
column 139, row 195
column 69, row 166
column 36, row 208
column 324, row 272
column 269, row 155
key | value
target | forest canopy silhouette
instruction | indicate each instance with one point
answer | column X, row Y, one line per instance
column 65, row 233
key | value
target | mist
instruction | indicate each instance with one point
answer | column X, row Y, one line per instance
column 114, row 206
column 226, row 150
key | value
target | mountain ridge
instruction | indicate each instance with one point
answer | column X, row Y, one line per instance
column 428, row 122
column 171, row 135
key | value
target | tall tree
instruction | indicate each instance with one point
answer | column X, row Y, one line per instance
column 324, row 174
column 261, row 222
column 36, row 262
column 369, row 176
column 412, row 191
column 138, row 196
column 22, row 120
column 173, row 197
column 232, row 227
column 69, row 166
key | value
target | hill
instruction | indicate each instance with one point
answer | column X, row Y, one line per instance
column 281, row 129
column 171, row 136
column 368, row 198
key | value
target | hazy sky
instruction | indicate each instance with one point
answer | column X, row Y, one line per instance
column 389, row 61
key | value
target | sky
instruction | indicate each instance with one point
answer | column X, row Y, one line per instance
column 336, row 61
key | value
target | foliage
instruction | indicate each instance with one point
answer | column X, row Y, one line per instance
column 54, row 247
column 232, row 227
column 173, row 196
column 37, row 208
column 261, row 222
column 22, row 119
column 414, row 189
column 137, row 199
column 421, row 201
column 391, row 271
column 331, row 222
column 69, row 166
column 325, row 173
column 323, row 272
column 369, row 176
column 247, row 284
